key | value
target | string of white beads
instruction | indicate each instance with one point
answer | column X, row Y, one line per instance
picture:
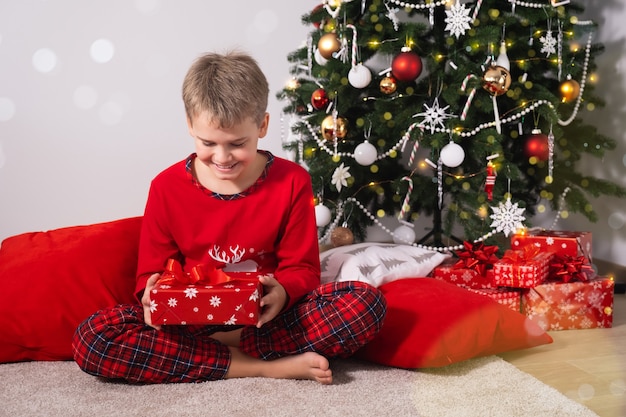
column 377, row 222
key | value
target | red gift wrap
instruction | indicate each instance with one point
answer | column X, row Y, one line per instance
column 562, row 242
column 510, row 297
column 463, row 277
column 473, row 268
column 571, row 305
column 205, row 296
column 524, row 268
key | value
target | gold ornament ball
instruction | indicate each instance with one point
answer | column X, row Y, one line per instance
column 341, row 236
column 388, row 85
column 497, row 80
column 328, row 44
column 570, row 89
column 332, row 129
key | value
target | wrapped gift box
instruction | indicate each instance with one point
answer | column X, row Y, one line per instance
column 510, row 297
column 522, row 268
column 463, row 277
column 472, row 269
column 566, row 243
column 572, row 305
column 212, row 297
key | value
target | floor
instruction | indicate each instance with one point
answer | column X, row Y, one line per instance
column 588, row 366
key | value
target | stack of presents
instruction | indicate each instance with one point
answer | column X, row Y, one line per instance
column 546, row 275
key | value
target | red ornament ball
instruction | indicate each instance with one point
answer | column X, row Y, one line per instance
column 406, row 66
column 537, row 146
column 319, row 99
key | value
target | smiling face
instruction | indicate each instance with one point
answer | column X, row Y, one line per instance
column 227, row 160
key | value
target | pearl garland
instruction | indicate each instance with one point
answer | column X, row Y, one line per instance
column 418, row 6
column 583, row 81
column 392, row 234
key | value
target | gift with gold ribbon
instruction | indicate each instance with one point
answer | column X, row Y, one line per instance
column 205, row 295
column 524, row 268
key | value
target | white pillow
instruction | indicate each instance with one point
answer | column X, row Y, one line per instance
column 378, row 263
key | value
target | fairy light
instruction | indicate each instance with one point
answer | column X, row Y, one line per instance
column 526, row 108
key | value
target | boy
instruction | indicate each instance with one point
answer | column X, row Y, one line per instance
column 240, row 209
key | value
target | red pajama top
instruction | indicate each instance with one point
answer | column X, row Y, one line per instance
column 269, row 228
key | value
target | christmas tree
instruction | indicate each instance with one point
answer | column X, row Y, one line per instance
column 462, row 113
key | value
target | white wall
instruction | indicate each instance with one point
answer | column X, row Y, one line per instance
column 64, row 163
column 80, row 143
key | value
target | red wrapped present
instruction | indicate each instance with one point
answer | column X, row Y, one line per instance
column 567, row 268
column 463, row 277
column 524, row 268
column 473, row 268
column 561, row 242
column 572, row 305
column 205, row 296
column 510, row 297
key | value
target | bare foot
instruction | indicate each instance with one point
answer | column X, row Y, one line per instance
column 308, row 365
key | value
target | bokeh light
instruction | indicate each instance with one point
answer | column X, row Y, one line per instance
column 45, row 60
column 7, row 109
column 102, row 51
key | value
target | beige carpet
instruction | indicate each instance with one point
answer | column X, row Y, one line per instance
column 480, row 387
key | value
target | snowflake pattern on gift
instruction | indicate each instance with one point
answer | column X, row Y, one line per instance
column 507, row 217
column 586, row 323
column 254, row 296
column 172, row 302
column 231, row 320
column 215, row 301
column 153, row 306
column 458, row 19
column 191, row 292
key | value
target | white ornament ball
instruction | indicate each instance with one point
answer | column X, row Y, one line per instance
column 404, row 235
column 359, row 76
column 365, row 154
column 319, row 58
column 452, row 155
column 322, row 215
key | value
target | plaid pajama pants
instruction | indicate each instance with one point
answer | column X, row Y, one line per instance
column 334, row 320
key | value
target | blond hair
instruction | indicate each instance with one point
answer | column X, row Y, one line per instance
column 229, row 87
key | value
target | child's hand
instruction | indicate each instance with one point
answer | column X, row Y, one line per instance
column 273, row 301
column 145, row 300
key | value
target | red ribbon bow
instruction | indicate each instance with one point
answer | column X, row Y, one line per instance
column 569, row 268
column 476, row 256
column 527, row 253
column 199, row 274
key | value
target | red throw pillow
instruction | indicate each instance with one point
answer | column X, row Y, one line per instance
column 432, row 323
column 51, row 281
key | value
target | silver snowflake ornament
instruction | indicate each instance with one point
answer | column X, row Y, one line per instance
column 507, row 217
column 433, row 116
column 458, row 19
column 548, row 44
